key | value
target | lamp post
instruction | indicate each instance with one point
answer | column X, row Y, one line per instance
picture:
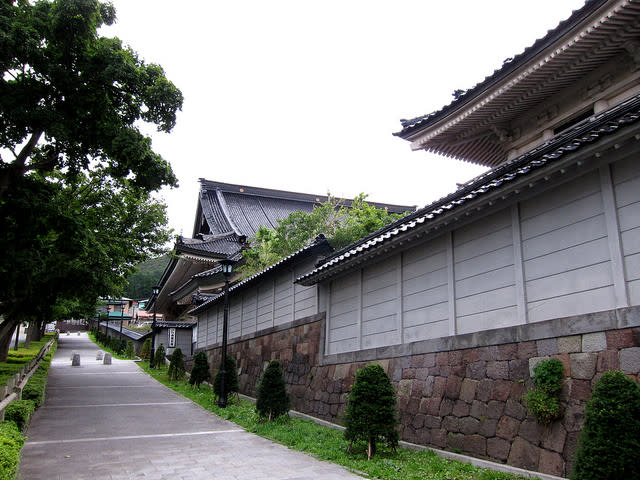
column 226, row 269
column 156, row 290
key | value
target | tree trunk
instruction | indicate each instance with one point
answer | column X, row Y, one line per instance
column 33, row 333
column 372, row 448
column 6, row 331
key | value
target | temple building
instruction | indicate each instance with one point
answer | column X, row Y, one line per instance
column 227, row 216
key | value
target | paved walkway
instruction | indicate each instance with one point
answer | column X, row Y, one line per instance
column 115, row 422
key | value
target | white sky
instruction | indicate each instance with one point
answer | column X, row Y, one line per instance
column 305, row 96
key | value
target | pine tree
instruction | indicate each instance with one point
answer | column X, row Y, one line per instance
column 610, row 441
column 273, row 400
column 371, row 411
column 159, row 357
column 145, row 353
column 200, row 371
column 230, row 378
column 129, row 352
column 176, row 366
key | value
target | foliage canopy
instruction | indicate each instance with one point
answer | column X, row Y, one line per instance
column 70, row 98
column 76, row 173
column 341, row 225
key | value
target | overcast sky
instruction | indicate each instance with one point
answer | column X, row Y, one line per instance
column 305, row 96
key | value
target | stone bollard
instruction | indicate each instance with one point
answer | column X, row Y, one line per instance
column 78, row 333
column 76, row 360
column 73, row 353
column 68, row 334
column 107, row 359
column 99, row 355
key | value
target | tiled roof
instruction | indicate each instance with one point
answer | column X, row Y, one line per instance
column 320, row 245
column 242, row 209
column 582, row 134
column 163, row 324
column 508, row 67
column 218, row 245
column 132, row 334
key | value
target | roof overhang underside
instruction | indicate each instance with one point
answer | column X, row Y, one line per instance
column 584, row 148
column 471, row 128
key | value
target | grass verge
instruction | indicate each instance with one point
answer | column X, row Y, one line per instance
column 106, row 348
column 328, row 444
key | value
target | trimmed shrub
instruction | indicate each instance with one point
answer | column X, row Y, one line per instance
column 20, row 412
column 272, row 400
column 371, row 410
column 122, row 347
column 11, row 442
column 159, row 358
column 542, row 400
column 145, row 353
column 34, row 389
column 230, row 378
column 200, row 371
column 609, row 446
column 129, row 351
column 176, row 366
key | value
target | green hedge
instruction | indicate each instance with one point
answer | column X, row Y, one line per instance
column 11, row 442
column 34, row 389
column 19, row 412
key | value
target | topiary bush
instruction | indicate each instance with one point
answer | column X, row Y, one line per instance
column 609, row 447
column 371, row 410
column 145, row 353
column 542, row 400
column 200, row 371
column 272, row 400
column 159, row 358
column 230, row 378
column 11, row 442
column 19, row 412
column 122, row 347
column 129, row 351
column 176, row 366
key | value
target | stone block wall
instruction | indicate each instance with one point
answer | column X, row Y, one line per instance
column 463, row 399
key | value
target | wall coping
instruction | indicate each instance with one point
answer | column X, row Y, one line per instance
column 557, row 327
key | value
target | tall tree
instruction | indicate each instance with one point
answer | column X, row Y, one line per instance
column 65, row 245
column 75, row 171
column 70, row 99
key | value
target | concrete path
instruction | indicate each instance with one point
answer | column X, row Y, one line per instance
column 115, row 422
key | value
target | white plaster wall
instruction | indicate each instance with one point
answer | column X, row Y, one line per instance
column 567, row 266
column 271, row 302
column 547, row 257
column 425, row 299
column 484, row 274
column 626, row 180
